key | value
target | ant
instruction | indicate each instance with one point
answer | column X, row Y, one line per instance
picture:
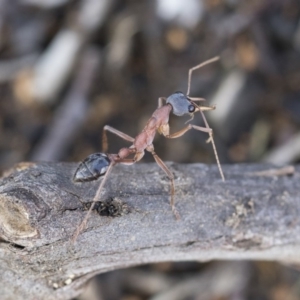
column 100, row 164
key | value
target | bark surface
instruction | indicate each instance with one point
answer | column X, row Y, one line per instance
column 254, row 214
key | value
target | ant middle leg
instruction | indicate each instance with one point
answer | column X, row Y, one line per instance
column 121, row 134
column 171, row 177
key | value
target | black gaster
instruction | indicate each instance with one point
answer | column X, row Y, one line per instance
column 92, row 167
column 181, row 104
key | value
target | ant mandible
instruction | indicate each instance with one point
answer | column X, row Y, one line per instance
column 100, row 164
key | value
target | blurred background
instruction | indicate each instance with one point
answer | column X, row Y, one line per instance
column 69, row 67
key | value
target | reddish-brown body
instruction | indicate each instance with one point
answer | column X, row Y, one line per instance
column 158, row 120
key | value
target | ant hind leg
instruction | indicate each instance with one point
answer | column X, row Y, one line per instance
column 121, row 134
column 171, row 177
column 82, row 225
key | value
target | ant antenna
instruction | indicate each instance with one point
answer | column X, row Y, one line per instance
column 198, row 67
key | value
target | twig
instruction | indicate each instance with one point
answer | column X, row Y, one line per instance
column 288, row 170
column 246, row 217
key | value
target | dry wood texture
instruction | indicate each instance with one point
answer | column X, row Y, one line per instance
column 253, row 215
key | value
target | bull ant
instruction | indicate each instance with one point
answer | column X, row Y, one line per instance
column 100, row 164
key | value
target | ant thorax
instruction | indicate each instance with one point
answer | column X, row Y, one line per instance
column 181, row 104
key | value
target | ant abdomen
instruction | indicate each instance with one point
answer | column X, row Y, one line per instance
column 92, row 167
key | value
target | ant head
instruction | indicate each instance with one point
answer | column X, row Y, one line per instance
column 181, row 104
column 92, row 167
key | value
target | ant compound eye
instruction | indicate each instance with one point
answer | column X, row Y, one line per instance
column 191, row 108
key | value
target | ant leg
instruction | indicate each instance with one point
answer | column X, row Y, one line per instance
column 160, row 101
column 211, row 139
column 204, row 108
column 171, row 177
column 198, row 67
column 121, row 134
column 197, row 99
column 96, row 198
column 138, row 156
column 187, row 128
column 203, row 129
column 129, row 161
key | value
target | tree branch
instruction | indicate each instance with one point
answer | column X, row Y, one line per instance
column 254, row 214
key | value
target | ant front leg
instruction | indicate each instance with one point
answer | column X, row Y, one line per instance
column 187, row 128
column 206, row 129
column 171, row 177
column 121, row 134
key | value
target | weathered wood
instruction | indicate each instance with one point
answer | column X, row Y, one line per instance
column 249, row 216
